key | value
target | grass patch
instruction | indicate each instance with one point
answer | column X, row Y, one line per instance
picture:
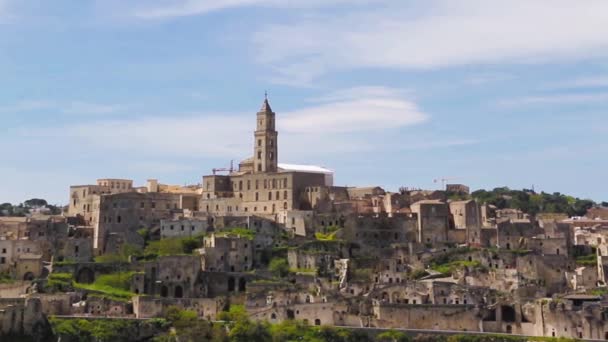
column 451, row 267
column 587, row 260
column 239, row 231
column 114, row 286
column 59, row 282
column 600, row 291
column 173, row 246
column 6, row 278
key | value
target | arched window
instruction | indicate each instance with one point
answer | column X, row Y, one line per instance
column 285, row 194
column 270, row 196
column 285, row 205
column 179, row 292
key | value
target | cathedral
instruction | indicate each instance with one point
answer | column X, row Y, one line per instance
column 262, row 185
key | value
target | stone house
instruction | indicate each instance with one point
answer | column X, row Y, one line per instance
column 226, row 253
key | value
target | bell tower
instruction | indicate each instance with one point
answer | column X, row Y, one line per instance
column 265, row 145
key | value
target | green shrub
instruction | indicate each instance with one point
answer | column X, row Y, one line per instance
column 279, row 266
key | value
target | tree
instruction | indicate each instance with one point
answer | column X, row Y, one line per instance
column 35, row 202
column 279, row 266
column 392, row 336
column 247, row 331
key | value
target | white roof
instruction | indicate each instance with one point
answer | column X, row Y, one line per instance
column 304, row 168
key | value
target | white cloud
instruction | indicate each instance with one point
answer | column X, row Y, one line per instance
column 71, row 108
column 482, row 79
column 182, row 8
column 26, row 106
column 353, row 110
column 79, row 107
column 327, row 126
column 582, row 82
column 442, row 33
column 557, row 99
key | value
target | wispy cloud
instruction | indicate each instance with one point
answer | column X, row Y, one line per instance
column 557, row 99
column 331, row 126
column 183, row 8
column 482, row 79
column 445, row 33
column 71, row 108
column 582, row 82
column 355, row 109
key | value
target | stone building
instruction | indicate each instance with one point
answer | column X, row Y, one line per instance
column 183, row 228
column 227, row 253
column 116, row 207
column 262, row 186
column 433, row 220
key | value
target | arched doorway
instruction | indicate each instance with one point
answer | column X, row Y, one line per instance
column 242, row 285
column 85, row 276
column 29, row 276
column 509, row 329
column 179, row 292
column 317, row 321
column 231, row 284
column 164, row 291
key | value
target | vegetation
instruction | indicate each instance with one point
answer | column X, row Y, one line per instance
column 328, row 234
column 453, row 266
column 59, row 282
column 6, row 278
column 8, row 209
column 531, row 202
column 279, row 267
column 187, row 327
column 587, row 260
column 126, row 250
column 242, row 232
column 392, row 336
column 173, row 246
column 115, row 286
column 94, row 330
column 600, row 291
column 418, row 274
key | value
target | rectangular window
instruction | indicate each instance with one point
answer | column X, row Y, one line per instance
column 153, row 205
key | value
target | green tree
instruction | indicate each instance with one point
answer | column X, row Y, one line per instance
column 248, row 331
column 392, row 336
column 35, row 202
column 279, row 266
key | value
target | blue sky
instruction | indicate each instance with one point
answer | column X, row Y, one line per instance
column 394, row 93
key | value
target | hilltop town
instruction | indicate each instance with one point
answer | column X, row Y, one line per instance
column 270, row 243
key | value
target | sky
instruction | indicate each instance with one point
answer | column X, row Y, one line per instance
column 385, row 92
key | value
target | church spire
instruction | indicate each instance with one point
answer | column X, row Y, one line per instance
column 265, row 143
column 265, row 106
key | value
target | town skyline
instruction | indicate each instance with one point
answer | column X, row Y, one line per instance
column 172, row 98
